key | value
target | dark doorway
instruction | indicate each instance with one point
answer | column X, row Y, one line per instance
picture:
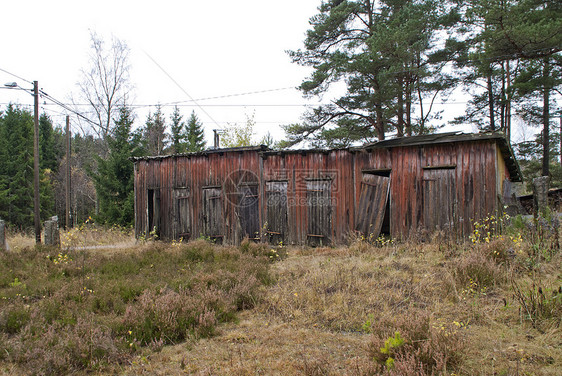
column 276, row 206
column 153, row 211
column 318, row 199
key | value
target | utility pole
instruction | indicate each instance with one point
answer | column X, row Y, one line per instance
column 68, row 175
column 36, row 207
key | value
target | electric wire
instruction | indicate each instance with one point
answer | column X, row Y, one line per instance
column 181, row 88
column 16, row 76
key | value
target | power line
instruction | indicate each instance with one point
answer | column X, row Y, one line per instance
column 181, row 88
column 68, row 108
column 234, row 95
column 16, row 76
column 225, row 105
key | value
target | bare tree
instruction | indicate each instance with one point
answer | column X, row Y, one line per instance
column 105, row 84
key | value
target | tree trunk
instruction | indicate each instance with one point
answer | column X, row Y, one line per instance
column 503, row 102
column 546, row 118
column 409, row 110
column 379, row 126
column 508, row 104
column 491, row 101
column 400, row 105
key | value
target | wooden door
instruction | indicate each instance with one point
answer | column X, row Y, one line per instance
column 318, row 197
column 439, row 199
column 182, row 214
column 213, row 225
column 373, row 200
column 276, row 207
column 248, row 211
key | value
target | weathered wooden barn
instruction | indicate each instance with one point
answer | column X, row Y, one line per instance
column 397, row 187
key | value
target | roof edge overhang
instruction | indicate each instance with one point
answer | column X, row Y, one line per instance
column 242, row 149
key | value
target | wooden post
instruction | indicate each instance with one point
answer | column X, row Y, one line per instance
column 68, row 222
column 36, row 206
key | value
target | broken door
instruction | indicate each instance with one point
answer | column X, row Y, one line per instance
column 276, row 207
column 373, row 205
column 318, row 198
column 439, row 198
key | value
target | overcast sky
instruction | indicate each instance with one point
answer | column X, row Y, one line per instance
column 208, row 48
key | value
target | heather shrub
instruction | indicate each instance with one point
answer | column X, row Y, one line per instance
column 68, row 311
column 13, row 318
column 4, row 346
column 271, row 252
column 414, row 345
column 55, row 349
column 171, row 316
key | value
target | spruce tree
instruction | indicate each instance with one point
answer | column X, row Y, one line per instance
column 155, row 132
column 49, row 154
column 114, row 178
column 194, row 134
column 16, row 171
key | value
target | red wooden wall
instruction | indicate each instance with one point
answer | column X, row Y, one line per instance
column 473, row 164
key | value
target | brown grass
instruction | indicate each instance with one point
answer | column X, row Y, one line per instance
column 331, row 310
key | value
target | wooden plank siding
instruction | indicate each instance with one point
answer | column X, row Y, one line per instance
column 247, row 179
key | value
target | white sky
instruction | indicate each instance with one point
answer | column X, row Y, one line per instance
column 210, row 48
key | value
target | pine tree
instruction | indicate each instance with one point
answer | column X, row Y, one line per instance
column 514, row 53
column 194, row 134
column 383, row 52
column 114, row 178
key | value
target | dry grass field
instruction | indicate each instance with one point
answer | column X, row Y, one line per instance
column 492, row 306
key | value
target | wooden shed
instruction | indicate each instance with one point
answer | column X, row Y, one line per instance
column 396, row 187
